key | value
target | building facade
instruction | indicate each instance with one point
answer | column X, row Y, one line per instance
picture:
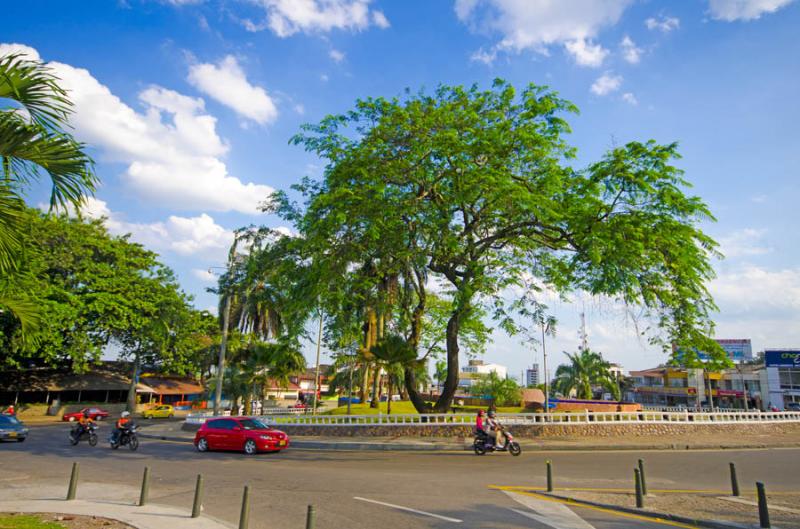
column 532, row 376
column 475, row 368
column 782, row 368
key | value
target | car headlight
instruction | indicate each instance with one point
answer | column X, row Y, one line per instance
column 267, row 437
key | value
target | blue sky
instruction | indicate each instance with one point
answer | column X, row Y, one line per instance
column 189, row 104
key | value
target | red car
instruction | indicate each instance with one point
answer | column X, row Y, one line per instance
column 96, row 414
column 239, row 433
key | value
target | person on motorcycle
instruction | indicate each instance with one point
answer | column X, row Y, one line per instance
column 496, row 430
column 123, row 423
column 84, row 422
column 480, row 423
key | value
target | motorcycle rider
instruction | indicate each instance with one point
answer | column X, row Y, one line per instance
column 496, row 430
column 123, row 423
column 84, row 422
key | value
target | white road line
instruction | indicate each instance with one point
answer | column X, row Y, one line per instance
column 409, row 509
column 549, row 513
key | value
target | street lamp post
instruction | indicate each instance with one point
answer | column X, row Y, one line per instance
column 226, row 316
column 546, row 382
column 317, row 393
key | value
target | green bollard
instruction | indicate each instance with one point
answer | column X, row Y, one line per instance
column 145, row 487
column 197, row 506
column 73, row 482
column 310, row 518
column 639, row 496
column 763, row 510
column 734, row 481
column 641, row 476
column 549, row 476
column 244, row 516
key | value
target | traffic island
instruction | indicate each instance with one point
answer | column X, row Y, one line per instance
column 713, row 509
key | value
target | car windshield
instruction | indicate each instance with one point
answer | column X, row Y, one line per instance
column 252, row 424
column 8, row 420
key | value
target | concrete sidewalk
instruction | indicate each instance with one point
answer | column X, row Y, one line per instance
column 104, row 503
column 172, row 431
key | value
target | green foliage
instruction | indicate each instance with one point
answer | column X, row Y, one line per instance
column 91, row 289
column 586, row 369
column 503, row 391
column 475, row 189
column 27, row 521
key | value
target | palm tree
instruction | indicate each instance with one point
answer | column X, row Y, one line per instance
column 586, row 369
column 34, row 113
column 393, row 354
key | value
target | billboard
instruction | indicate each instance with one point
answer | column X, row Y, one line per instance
column 782, row 358
column 738, row 349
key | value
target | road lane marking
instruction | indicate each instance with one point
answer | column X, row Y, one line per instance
column 622, row 514
column 409, row 509
column 772, row 506
column 555, row 515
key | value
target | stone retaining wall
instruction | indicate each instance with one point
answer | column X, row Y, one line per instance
column 549, row 431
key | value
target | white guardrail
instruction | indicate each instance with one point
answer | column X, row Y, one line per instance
column 468, row 419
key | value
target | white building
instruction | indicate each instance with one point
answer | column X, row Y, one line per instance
column 532, row 376
column 783, row 377
column 471, row 372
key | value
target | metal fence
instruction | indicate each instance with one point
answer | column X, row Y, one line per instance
column 556, row 418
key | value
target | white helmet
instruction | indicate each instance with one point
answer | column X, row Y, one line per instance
column 126, row 414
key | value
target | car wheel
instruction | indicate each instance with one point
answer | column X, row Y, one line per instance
column 250, row 447
column 202, row 445
column 20, row 439
column 92, row 440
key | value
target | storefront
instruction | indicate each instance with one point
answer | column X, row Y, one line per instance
column 783, row 376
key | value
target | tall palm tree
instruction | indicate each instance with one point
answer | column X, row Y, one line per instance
column 34, row 116
column 586, row 369
column 393, row 354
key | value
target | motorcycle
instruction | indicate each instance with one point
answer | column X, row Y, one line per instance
column 483, row 443
column 78, row 434
column 125, row 437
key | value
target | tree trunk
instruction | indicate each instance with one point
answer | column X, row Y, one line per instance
column 389, row 396
column 362, row 389
column 451, row 381
column 376, row 380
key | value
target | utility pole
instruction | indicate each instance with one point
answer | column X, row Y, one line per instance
column 350, row 385
column 317, row 393
column 546, row 382
column 584, row 337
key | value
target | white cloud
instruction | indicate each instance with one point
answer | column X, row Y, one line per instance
column 14, row 48
column 226, row 82
column 336, row 55
column 486, row 57
column 585, row 53
column 630, row 52
column 380, row 20
column 172, row 150
column 287, row 17
column 663, row 23
column 748, row 241
column 606, row 84
column 205, row 275
column 199, row 235
column 755, row 292
column 629, row 98
column 536, row 25
column 730, row 10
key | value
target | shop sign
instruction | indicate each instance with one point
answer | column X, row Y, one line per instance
column 666, row 390
column 730, row 393
column 782, row 358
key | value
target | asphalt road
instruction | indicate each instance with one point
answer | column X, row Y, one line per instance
column 376, row 489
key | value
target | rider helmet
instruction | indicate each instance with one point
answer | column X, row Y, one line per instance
column 126, row 414
column 492, row 414
column 86, row 413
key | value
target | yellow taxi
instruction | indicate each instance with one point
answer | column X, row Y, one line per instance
column 162, row 411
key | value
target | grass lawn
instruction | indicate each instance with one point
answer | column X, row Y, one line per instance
column 26, row 521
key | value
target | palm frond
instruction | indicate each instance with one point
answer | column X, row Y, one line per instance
column 33, row 85
column 26, row 312
column 11, row 207
column 29, row 148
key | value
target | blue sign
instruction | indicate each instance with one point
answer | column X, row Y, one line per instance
column 782, row 358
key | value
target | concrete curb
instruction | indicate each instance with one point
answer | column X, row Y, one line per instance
column 650, row 514
column 422, row 446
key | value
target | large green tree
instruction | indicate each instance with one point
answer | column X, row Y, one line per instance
column 477, row 188
column 94, row 290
